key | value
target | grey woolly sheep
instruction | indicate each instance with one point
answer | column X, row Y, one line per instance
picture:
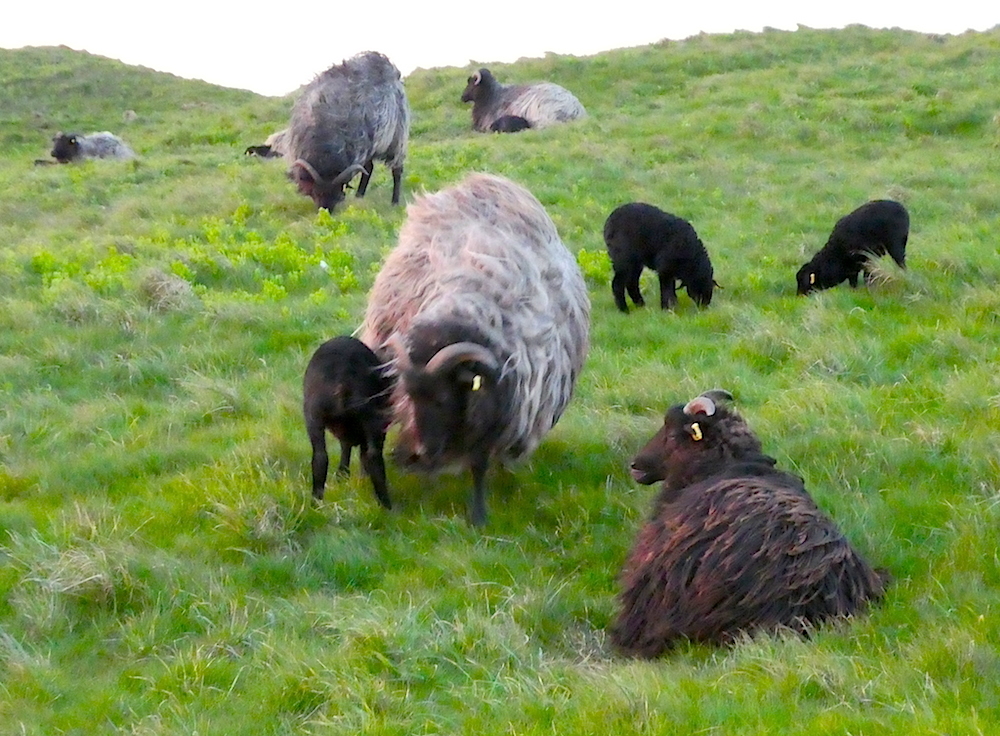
column 68, row 147
column 733, row 545
column 540, row 104
column 346, row 391
column 348, row 116
column 486, row 314
column 873, row 229
column 640, row 235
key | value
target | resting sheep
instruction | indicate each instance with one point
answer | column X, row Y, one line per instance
column 509, row 124
column 733, row 545
column 348, row 116
column 346, row 391
column 640, row 235
column 68, row 147
column 541, row 104
column 273, row 147
column 487, row 317
column 873, row 229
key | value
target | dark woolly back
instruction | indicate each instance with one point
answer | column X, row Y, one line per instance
column 743, row 550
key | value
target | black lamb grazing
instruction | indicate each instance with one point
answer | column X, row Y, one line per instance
column 641, row 236
column 873, row 229
column 509, row 124
column 346, row 392
column 733, row 545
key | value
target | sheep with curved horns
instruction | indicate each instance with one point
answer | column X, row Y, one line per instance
column 345, row 119
column 68, row 147
column 486, row 314
column 540, row 104
column 733, row 545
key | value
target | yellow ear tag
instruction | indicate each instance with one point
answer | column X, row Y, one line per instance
column 696, row 430
column 477, row 381
column 812, row 279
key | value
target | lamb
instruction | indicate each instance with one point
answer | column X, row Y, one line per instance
column 346, row 391
column 640, row 235
column 348, row 116
column 273, row 147
column 509, row 124
column 540, row 104
column 68, row 147
column 873, row 229
column 733, row 545
column 485, row 315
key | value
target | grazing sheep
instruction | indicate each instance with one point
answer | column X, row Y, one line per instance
column 68, row 147
column 273, row 147
column 873, row 229
column 541, row 104
column 346, row 391
column 486, row 314
column 509, row 124
column 640, row 235
column 348, row 116
column 733, row 546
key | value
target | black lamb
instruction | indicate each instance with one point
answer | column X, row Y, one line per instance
column 640, row 235
column 873, row 229
column 346, row 392
column 509, row 124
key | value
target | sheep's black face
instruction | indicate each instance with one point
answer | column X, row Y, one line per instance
column 469, row 95
column 678, row 450
column 65, row 148
column 820, row 273
column 701, row 290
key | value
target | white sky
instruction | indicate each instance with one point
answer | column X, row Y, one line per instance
column 273, row 48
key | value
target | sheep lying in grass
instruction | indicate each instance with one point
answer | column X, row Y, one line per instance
column 68, row 147
column 733, row 546
column 273, row 147
column 509, row 124
column 873, row 229
column 640, row 235
column 540, row 105
column 346, row 392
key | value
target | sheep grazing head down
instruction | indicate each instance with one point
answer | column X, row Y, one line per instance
column 452, row 384
column 327, row 194
column 695, row 438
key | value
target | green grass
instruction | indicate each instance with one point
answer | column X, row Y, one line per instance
column 162, row 570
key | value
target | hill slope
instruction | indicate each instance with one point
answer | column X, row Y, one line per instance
column 162, row 570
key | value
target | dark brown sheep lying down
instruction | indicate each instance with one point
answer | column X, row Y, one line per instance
column 733, row 545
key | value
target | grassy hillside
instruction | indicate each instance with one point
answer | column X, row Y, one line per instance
column 162, row 570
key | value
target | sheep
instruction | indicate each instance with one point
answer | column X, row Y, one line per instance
column 873, row 229
column 346, row 391
column 68, row 147
column 640, row 235
column 509, row 124
column 273, row 147
column 348, row 116
column 540, row 104
column 733, row 545
column 485, row 314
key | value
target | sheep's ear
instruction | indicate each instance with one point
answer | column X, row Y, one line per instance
column 700, row 405
column 694, row 429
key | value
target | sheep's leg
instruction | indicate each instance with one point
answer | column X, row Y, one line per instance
column 366, row 174
column 618, row 289
column 344, row 468
column 320, row 459
column 852, row 279
column 397, row 183
column 477, row 504
column 374, row 465
column 633, row 287
column 668, row 291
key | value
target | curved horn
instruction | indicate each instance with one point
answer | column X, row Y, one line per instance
column 301, row 162
column 395, row 343
column 717, row 395
column 700, row 405
column 449, row 355
column 345, row 176
column 477, row 77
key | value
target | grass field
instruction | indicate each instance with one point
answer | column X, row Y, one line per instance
column 162, row 570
